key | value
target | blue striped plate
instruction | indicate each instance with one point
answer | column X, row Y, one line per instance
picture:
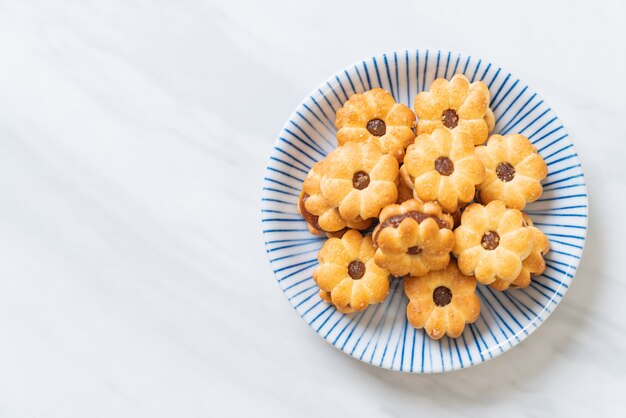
column 381, row 335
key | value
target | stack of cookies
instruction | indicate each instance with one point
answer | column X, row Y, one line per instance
column 429, row 197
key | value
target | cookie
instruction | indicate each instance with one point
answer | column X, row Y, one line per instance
column 375, row 116
column 348, row 273
column 455, row 105
column 532, row 265
column 321, row 217
column 491, row 242
column 442, row 166
column 359, row 180
column 442, row 302
column 413, row 238
column 513, row 171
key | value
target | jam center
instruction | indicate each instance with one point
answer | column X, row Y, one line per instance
column 505, row 171
column 450, row 118
column 376, row 127
column 490, row 240
column 360, row 180
column 356, row 269
column 414, row 250
column 442, row 296
column 444, row 166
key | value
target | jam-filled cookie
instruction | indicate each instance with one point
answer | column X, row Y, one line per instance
column 359, row 180
column 442, row 302
column 442, row 166
column 319, row 216
column 348, row 274
column 375, row 116
column 532, row 265
column 455, row 105
column 491, row 242
column 513, row 171
column 413, row 238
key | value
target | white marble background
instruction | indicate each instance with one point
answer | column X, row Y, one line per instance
column 133, row 139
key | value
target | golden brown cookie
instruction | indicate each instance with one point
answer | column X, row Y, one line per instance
column 491, row 242
column 455, row 105
column 358, row 180
column 513, row 171
column 413, row 238
column 348, row 273
column 442, row 166
column 532, row 265
column 375, row 116
column 320, row 216
column 442, row 302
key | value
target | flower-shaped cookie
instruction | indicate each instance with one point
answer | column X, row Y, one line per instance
column 319, row 216
column 455, row 105
column 375, row 115
column 413, row 238
column 442, row 166
column 513, row 171
column 532, row 265
column 491, row 242
column 359, row 180
column 442, row 302
column 347, row 275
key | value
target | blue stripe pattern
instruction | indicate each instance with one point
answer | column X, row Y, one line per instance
column 381, row 335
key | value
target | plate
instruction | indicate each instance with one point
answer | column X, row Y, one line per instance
column 381, row 335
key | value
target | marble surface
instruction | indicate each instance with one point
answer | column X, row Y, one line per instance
column 133, row 139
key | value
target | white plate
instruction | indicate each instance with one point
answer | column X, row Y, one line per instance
column 381, row 335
